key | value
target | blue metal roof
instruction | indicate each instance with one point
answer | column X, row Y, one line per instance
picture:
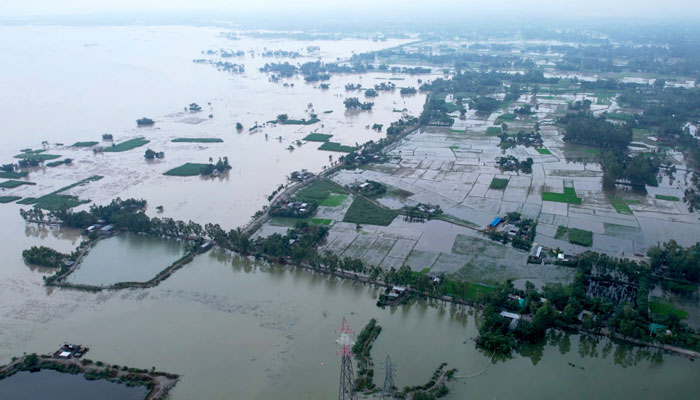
column 495, row 222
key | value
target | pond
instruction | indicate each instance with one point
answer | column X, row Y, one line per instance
column 126, row 258
column 47, row 384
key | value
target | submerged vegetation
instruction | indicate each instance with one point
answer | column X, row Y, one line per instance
column 127, row 145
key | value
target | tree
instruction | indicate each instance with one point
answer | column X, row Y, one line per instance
column 282, row 118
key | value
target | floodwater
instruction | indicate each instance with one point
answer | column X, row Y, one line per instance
column 239, row 329
column 232, row 328
column 49, row 384
column 126, row 258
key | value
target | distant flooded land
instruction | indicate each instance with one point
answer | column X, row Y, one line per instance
column 480, row 208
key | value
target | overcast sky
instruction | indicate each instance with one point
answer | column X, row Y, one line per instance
column 647, row 9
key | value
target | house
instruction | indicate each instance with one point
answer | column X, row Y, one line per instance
column 107, row 230
column 511, row 230
column 494, row 223
column 535, row 255
column 92, row 228
column 514, row 319
column 399, row 290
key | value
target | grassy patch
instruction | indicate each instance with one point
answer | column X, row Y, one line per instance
column 575, row 236
column 197, row 140
column 37, row 156
column 12, row 175
column 506, row 117
column 317, row 137
column 321, row 221
column 451, row 107
column 57, row 201
column 620, row 117
column 457, row 131
column 56, row 163
column 544, row 151
column 593, row 151
column 13, row 184
column 333, row 146
column 188, row 169
column 128, row 145
column 319, row 191
column 569, row 196
column 498, row 183
column 473, row 291
column 9, row 199
column 334, row 200
column 363, row 211
column 84, row 144
column 620, row 205
column 299, row 121
column 662, row 309
column 667, row 198
column 454, row 147
column 493, row 130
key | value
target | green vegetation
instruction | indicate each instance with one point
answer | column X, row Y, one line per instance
column 299, row 121
column 668, row 198
column 9, row 199
column 13, row 174
column 504, row 117
column 544, row 151
column 586, row 129
column 128, row 145
column 363, row 211
column 362, row 351
column 321, row 221
column 37, row 156
column 44, row 256
column 493, row 130
column 620, row 205
column 457, row 131
column 575, row 236
column 317, row 137
column 663, row 309
column 319, row 191
column 453, row 147
column 188, row 169
column 498, row 183
column 353, row 103
column 333, row 146
column 61, row 162
column 84, row 144
column 56, row 201
column 569, row 196
column 197, row 140
column 334, row 200
column 13, row 184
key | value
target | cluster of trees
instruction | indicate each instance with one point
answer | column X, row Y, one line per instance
column 144, row 122
column 44, row 256
column 220, row 167
column 150, row 154
column 435, row 113
column 674, row 261
column 408, row 90
column 511, row 163
column 484, row 104
column 584, row 128
column 639, row 170
column 352, row 103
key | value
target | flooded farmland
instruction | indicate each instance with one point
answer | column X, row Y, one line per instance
column 233, row 327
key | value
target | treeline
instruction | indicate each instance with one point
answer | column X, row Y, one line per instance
column 639, row 170
column 584, row 128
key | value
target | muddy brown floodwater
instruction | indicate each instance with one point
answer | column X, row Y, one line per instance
column 230, row 327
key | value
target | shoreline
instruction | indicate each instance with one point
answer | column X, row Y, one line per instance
column 158, row 383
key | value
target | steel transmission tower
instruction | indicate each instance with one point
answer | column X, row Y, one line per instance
column 347, row 376
column 388, row 389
